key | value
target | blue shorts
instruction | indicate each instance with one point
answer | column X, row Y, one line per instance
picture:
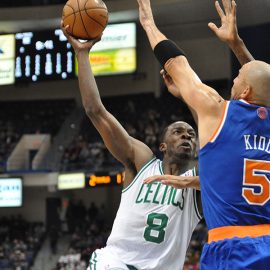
column 237, row 254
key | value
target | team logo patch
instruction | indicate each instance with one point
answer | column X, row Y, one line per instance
column 262, row 113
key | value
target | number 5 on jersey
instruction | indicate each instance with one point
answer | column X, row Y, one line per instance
column 255, row 176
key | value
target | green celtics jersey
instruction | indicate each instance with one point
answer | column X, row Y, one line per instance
column 154, row 223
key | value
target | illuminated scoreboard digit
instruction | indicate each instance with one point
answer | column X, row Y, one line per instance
column 43, row 55
column 105, row 179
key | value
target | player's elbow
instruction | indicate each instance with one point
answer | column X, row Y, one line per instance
column 176, row 63
column 94, row 111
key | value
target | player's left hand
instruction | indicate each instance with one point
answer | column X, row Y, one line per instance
column 76, row 43
column 227, row 32
column 175, row 181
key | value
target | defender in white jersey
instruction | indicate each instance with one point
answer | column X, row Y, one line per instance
column 154, row 222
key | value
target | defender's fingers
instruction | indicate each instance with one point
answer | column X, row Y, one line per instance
column 213, row 27
column 174, row 183
column 152, row 179
column 227, row 6
column 219, row 10
column 234, row 8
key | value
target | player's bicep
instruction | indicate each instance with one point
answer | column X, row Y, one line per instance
column 122, row 146
column 198, row 96
column 142, row 153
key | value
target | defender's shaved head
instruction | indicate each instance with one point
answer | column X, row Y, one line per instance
column 258, row 78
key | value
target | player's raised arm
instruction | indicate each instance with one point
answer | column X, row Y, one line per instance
column 228, row 33
column 204, row 100
column 132, row 153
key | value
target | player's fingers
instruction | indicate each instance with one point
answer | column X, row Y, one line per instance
column 227, row 6
column 98, row 38
column 234, row 8
column 174, row 183
column 213, row 27
column 64, row 29
column 219, row 10
column 152, row 179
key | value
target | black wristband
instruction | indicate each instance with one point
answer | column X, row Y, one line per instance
column 165, row 50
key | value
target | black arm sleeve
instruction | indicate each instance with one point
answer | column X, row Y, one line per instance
column 165, row 50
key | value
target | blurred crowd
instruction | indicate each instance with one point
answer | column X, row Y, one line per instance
column 89, row 230
column 29, row 117
column 19, row 243
column 143, row 116
column 198, row 239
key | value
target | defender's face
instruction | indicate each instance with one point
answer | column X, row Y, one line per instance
column 239, row 84
column 181, row 140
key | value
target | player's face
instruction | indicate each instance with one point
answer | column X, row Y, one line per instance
column 239, row 84
column 180, row 140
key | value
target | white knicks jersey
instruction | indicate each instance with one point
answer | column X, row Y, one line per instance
column 154, row 223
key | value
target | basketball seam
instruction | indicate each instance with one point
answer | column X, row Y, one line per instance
column 91, row 17
column 70, row 7
column 82, row 19
column 95, row 20
column 74, row 21
column 86, row 14
column 74, row 13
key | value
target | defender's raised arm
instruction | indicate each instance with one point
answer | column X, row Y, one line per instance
column 228, row 33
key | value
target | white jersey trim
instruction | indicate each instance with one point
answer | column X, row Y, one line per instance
column 221, row 123
column 199, row 216
column 139, row 173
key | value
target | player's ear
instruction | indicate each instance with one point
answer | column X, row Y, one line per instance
column 163, row 147
column 246, row 94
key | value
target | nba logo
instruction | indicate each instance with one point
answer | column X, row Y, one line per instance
column 262, row 112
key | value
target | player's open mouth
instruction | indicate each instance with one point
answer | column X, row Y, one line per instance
column 185, row 145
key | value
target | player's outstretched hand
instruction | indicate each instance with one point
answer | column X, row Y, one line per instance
column 227, row 32
column 178, row 182
column 145, row 12
column 76, row 43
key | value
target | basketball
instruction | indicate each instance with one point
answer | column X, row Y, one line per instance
column 86, row 18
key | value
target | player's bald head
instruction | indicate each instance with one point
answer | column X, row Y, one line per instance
column 257, row 74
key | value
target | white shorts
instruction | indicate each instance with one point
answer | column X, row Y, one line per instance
column 102, row 259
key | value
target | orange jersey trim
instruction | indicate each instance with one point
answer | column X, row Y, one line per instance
column 221, row 123
column 228, row 232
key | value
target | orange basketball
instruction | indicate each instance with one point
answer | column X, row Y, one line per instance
column 86, row 18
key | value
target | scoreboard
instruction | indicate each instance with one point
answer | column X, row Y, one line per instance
column 43, row 55
column 7, row 54
column 35, row 56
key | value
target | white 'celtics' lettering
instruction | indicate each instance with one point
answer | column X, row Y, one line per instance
column 256, row 142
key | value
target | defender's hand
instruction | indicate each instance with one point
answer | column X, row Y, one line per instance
column 145, row 12
column 227, row 32
column 172, row 88
column 178, row 182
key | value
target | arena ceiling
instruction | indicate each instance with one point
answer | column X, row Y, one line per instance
column 172, row 16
